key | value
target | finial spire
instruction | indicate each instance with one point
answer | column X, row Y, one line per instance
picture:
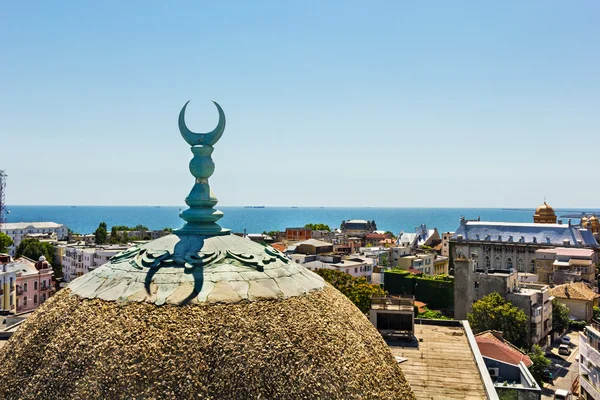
column 201, row 218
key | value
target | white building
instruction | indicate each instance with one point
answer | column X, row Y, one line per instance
column 589, row 362
column 78, row 260
column 17, row 231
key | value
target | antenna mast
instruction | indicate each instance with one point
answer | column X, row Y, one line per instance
column 2, row 197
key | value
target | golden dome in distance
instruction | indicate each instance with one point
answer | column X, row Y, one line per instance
column 544, row 214
column 595, row 223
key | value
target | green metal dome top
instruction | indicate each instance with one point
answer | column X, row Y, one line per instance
column 201, row 262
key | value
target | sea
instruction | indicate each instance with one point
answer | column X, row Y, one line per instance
column 85, row 219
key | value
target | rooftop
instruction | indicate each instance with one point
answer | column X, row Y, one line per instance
column 542, row 234
column 575, row 291
column 492, row 345
column 35, row 225
column 567, row 251
column 314, row 242
column 442, row 365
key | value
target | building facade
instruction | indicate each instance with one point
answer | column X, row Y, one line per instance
column 512, row 246
column 589, row 362
column 298, row 234
column 562, row 265
column 472, row 283
column 8, row 279
column 17, row 231
column 78, row 260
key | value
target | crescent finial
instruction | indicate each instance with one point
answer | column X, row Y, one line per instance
column 196, row 139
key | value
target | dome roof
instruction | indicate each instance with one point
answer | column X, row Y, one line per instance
column 545, row 210
column 200, row 313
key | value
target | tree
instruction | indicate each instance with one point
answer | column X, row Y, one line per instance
column 5, row 242
column 358, row 290
column 390, row 234
column 34, row 249
column 125, row 237
column 431, row 314
column 318, row 227
column 596, row 313
column 114, row 235
column 101, row 234
column 493, row 312
column 560, row 316
column 540, row 363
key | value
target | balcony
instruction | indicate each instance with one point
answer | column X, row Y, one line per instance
column 589, row 386
column 19, row 291
column 536, row 319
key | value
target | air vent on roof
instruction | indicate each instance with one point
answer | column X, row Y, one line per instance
column 566, row 242
column 487, row 237
column 477, row 236
column 459, row 237
column 548, row 239
column 534, row 239
column 522, row 239
column 510, row 238
column 580, row 242
column 499, row 238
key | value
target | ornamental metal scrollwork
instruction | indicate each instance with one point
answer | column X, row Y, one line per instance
column 141, row 258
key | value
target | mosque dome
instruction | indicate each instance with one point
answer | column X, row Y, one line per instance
column 595, row 224
column 544, row 214
column 200, row 313
column 583, row 222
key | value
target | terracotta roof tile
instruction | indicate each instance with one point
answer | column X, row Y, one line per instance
column 492, row 345
column 575, row 291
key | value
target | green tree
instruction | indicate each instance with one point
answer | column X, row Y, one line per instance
column 390, row 234
column 114, row 235
column 125, row 237
column 358, row 290
column 493, row 312
column 560, row 316
column 101, row 234
column 318, row 227
column 596, row 313
column 5, row 242
column 34, row 249
column 540, row 363
column 431, row 314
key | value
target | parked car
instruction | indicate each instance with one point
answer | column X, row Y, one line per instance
column 564, row 349
column 566, row 340
column 561, row 394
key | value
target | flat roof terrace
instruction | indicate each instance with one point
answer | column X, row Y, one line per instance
column 440, row 363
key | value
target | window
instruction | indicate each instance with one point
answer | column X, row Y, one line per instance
column 35, row 299
column 486, row 262
column 355, row 270
column 521, row 265
column 25, row 287
column 43, row 298
column 509, row 264
column 34, row 285
column 497, row 262
column 25, row 300
column 532, row 266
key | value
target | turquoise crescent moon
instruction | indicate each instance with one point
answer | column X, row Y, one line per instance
column 197, row 139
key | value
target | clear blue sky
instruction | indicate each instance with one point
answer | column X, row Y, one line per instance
column 338, row 103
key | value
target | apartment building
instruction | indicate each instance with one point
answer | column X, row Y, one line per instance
column 78, row 260
column 589, row 362
column 17, row 231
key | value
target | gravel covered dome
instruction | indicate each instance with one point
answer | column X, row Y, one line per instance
column 200, row 313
